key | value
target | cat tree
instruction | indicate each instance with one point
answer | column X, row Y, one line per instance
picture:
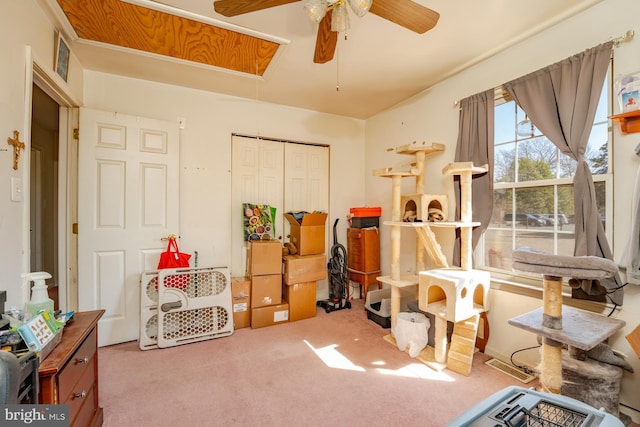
column 458, row 295
column 570, row 372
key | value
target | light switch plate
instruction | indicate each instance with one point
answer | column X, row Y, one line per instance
column 16, row 189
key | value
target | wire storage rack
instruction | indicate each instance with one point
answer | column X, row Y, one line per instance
column 519, row 407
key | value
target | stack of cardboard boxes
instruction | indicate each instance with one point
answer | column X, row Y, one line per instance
column 307, row 266
column 268, row 297
column 265, row 271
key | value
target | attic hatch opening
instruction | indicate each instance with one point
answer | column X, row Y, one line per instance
column 185, row 36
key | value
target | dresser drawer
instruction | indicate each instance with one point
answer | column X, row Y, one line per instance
column 80, row 396
column 79, row 362
column 363, row 249
column 86, row 412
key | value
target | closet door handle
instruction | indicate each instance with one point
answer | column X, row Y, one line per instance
column 81, row 395
column 80, row 361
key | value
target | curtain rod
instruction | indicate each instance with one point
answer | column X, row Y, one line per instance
column 626, row 37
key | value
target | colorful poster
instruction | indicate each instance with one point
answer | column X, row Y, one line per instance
column 258, row 222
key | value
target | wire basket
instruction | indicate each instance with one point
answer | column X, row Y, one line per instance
column 546, row 414
column 543, row 414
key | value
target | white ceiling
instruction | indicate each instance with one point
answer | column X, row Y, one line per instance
column 378, row 66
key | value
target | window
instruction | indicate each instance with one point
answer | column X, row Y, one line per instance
column 533, row 189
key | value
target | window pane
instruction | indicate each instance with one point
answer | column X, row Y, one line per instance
column 601, row 197
column 565, row 204
column 603, row 105
column 534, row 223
column 503, row 170
column 504, row 122
column 539, row 240
column 597, row 154
column 501, row 206
column 566, row 166
column 536, row 160
column 498, row 243
column 531, row 202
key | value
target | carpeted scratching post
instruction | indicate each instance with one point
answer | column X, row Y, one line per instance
column 581, row 331
column 551, row 352
column 592, row 382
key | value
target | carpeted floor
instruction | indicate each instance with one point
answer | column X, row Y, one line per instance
column 332, row 370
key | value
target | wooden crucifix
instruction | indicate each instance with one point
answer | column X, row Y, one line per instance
column 17, row 146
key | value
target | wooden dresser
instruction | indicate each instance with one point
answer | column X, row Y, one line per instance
column 69, row 374
column 363, row 257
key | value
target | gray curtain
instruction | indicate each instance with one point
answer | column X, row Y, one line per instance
column 561, row 101
column 475, row 144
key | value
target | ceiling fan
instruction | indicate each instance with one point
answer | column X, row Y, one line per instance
column 333, row 18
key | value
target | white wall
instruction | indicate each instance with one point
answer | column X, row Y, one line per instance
column 22, row 24
column 205, row 151
column 431, row 116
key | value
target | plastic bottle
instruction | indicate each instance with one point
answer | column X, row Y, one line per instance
column 39, row 296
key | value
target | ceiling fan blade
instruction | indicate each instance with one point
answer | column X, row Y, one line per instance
column 406, row 13
column 239, row 7
column 326, row 40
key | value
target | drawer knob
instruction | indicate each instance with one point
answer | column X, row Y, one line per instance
column 81, row 395
column 80, row 361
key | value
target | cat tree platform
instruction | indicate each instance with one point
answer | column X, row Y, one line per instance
column 581, row 329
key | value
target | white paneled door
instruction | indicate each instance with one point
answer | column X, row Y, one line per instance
column 257, row 178
column 306, row 180
column 128, row 196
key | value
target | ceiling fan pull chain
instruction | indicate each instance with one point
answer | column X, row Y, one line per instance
column 337, row 69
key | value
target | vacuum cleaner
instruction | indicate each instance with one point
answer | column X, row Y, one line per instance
column 337, row 272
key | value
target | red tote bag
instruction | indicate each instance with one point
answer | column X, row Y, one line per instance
column 172, row 257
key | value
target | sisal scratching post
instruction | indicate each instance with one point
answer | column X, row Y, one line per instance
column 440, row 339
column 551, row 353
column 466, row 248
column 396, row 215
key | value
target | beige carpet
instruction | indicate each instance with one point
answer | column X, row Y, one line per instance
column 331, row 370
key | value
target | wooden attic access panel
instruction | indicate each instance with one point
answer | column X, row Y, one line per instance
column 127, row 25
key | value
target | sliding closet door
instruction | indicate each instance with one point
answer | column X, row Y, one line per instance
column 257, row 173
column 306, row 188
column 306, row 176
column 285, row 175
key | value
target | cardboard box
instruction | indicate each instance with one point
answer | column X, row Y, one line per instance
column 308, row 236
column 264, row 257
column 266, row 290
column 241, row 299
column 304, row 268
column 302, row 300
column 269, row 315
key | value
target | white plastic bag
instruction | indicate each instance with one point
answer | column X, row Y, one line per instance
column 411, row 330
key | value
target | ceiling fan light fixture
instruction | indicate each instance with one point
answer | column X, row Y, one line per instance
column 360, row 7
column 316, row 9
column 340, row 18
